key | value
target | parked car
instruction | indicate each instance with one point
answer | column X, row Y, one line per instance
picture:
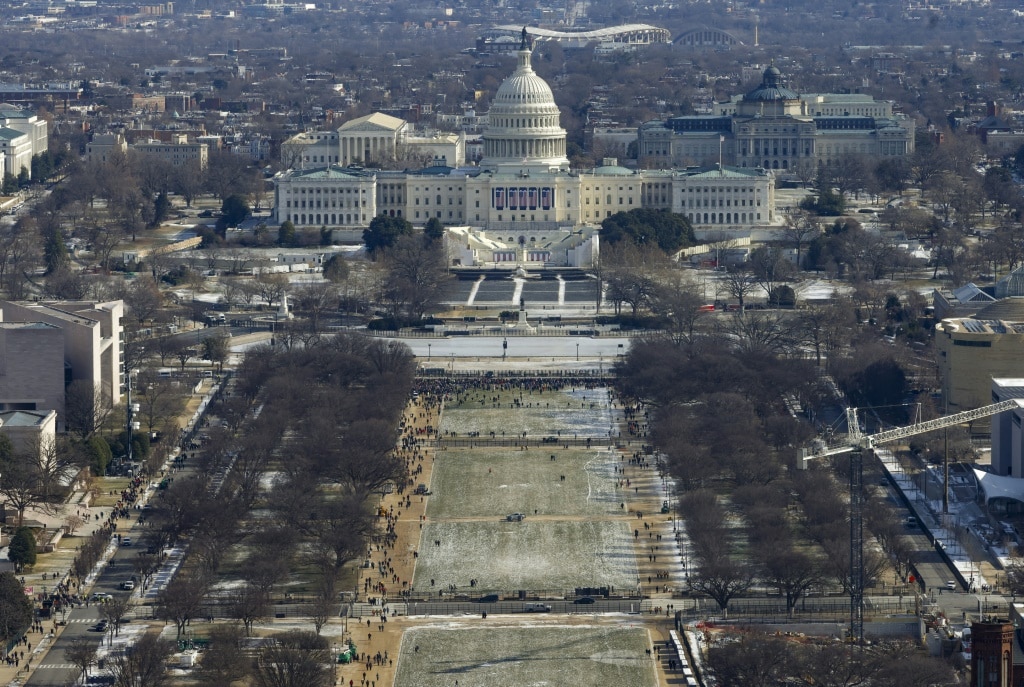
column 488, row 599
column 585, row 600
column 515, row 517
column 101, row 626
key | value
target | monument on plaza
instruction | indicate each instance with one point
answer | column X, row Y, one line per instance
column 522, row 324
column 283, row 313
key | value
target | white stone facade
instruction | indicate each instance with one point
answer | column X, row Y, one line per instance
column 334, row 197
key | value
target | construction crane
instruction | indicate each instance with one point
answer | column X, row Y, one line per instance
column 856, row 443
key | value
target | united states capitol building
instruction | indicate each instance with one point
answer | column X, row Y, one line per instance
column 522, row 197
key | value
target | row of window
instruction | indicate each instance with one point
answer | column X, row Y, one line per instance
column 722, row 189
column 723, row 217
column 322, row 219
column 451, row 201
column 326, row 204
column 716, row 203
column 608, row 200
column 317, row 191
column 437, row 213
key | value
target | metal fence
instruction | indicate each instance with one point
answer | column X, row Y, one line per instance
column 754, row 610
column 535, row 442
column 499, row 376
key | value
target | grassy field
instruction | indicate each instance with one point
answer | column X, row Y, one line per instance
column 581, row 412
column 523, row 655
column 534, row 555
column 479, row 483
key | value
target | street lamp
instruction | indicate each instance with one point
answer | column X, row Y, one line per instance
column 577, row 351
column 428, row 351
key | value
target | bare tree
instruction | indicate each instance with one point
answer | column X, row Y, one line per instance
column 792, row 571
column 86, row 407
column 415, row 278
column 250, row 605
column 224, row 661
column 798, row 231
column 295, row 659
column 114, row 612
column 761, row 333
column 739, row 284
column 684, row 310
column 81, row 653
column 270, row 286
column 315, row 299
column 182, row 599
column 143, row 663
column 754, row 661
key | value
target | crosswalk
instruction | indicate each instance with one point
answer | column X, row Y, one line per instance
column 56, row 666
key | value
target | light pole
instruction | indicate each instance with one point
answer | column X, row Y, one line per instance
column 577, row 351
column 428, row 351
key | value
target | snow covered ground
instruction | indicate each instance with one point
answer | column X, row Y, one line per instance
column 495, row 482
column 536, row 656
column 569, row 412
column 533, row 554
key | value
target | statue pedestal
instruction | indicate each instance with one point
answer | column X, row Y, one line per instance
column 522, row 324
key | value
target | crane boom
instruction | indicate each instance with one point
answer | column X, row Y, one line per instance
column 858, row 440
column 941, row 422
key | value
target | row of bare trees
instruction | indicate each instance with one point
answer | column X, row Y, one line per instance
column 327, row 428
column 759, row 660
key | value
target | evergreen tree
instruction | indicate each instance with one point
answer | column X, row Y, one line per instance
column 55, row 252
column 670, row 231
column 22, row 550
column 161, row 209
column 384, row 232
column 15, row 608
column 286, row 234
column 433, row 230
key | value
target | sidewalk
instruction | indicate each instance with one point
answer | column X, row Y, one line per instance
column 366, row 631
column 54, row 568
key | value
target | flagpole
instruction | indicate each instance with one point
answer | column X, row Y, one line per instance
column 721, row 140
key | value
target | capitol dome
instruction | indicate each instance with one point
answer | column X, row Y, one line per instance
column 523, row 122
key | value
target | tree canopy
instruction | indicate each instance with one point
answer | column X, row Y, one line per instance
column 669, row 231
column 22, row 550
column 234, row 209
column 433, row 229
column 15, row 608
column 384, row 232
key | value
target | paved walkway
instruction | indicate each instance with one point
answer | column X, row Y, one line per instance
column 406, row 512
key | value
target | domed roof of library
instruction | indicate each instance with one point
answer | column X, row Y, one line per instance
column 771, row 88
